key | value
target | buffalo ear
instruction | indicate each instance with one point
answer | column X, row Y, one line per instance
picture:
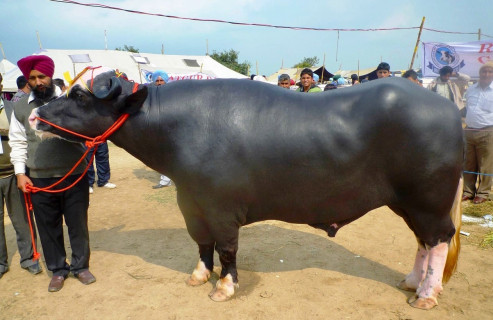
column 108, row 94
column 134, row 102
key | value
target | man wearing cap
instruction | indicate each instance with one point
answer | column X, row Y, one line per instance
column 23, row 88
column 42, row 163
column 479, row 137
column 159, row 78
column 10, row 196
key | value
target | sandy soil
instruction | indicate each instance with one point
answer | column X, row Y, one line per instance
column 142, row 254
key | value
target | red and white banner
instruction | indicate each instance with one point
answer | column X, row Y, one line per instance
column 464, row 57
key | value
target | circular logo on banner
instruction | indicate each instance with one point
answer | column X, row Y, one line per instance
column 443, row 55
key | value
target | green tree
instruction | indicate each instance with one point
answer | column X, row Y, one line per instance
column 127, row 48
column 307, row 62
column 230, row 60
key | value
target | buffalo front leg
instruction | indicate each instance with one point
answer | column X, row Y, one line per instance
column 427, row 293
column 228, row 280
column 202, row 271
column 417, row 275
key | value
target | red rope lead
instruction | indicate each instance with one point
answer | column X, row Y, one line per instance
column 90, row 143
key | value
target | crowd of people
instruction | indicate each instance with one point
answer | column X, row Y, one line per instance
column 27, row 161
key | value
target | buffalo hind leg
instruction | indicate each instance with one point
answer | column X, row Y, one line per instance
column 417, row 275
column 228, row 280
column 203, row 270
column 427, row 293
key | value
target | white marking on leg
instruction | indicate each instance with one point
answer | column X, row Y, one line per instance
column 414, row 279
column 431, row 287
column 200, row 275
column 224, row 290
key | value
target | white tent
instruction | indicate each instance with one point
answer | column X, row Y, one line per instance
column 133, row 64
column 7, row 68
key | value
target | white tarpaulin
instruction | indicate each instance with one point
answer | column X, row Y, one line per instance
column 464, row 57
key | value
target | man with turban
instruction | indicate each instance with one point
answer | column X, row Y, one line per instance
column 159, row 78
column 41, row 163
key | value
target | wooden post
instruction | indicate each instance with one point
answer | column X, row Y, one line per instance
column 39, row 40
column 323, row 70
column 417, row 42
column 3, row 53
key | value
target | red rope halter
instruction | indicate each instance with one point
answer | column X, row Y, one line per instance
column 90, row 143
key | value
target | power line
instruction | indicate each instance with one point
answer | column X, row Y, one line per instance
column 98, row 5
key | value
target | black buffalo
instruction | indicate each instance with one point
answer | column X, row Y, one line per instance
column 241, row 151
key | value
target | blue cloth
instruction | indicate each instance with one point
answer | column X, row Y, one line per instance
column 102, row 165
column 159, row 73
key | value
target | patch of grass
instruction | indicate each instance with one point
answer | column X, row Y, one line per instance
column 477, row 210
column 488, row 240
column 166, row 196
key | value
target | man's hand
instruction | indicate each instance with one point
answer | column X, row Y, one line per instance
column 22, row 181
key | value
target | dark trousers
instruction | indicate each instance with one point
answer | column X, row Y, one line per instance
column 479, row 158
column 50, row 209
column 11, row 196
column 102, row 160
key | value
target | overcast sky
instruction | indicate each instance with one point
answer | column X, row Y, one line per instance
column 69, row 26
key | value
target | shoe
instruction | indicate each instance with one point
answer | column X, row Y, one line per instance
column 85, row 277
column 109, row 185
column 34, row 269
column 56, row 283
column 465, row 198
column 479, row 200
column 159, row 185
column 91, row 190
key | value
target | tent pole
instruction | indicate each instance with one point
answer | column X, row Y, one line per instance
column 337, row 45
column 417, row 42
column 256, row 63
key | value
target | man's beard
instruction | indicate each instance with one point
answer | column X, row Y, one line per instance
column 46, row 94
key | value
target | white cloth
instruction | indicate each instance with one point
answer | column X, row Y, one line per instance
column 479, row 104
column 164, row 180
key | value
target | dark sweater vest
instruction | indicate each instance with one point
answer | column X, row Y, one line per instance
column 49, row 158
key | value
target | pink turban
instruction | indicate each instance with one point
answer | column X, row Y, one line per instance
column 43, row 64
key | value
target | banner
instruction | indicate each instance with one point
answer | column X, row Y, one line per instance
column 175, row 76
column 464, row 57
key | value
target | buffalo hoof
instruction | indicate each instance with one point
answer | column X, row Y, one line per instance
column 403, row 285
column 423, row 303
column 224, row 290
column 199, row 276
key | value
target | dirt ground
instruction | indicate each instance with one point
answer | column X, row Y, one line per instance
column 142, row 255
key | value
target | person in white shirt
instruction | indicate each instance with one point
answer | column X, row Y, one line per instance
column 479, row 137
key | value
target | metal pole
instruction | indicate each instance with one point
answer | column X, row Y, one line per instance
column 417, row 42
column 479, row 34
